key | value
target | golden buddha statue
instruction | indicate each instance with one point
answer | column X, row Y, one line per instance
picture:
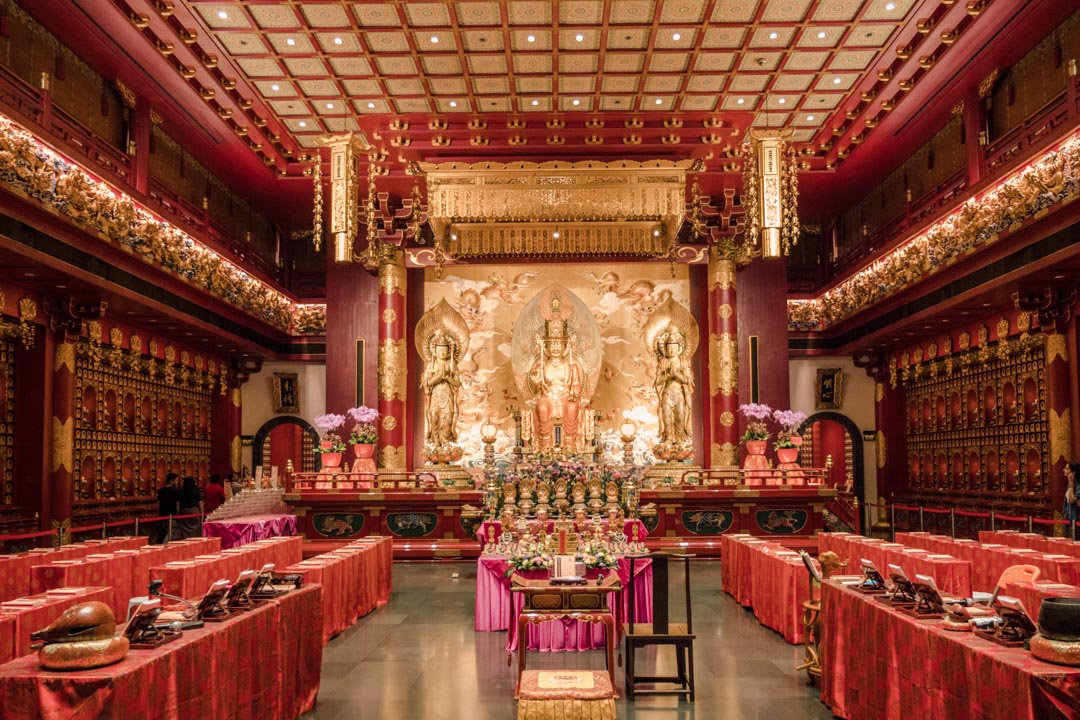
column 556, row 357
column 672, row 333
column 442, row 338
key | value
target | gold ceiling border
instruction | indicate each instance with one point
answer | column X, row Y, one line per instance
column 589, row 207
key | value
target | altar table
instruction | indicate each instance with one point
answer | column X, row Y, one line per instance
column 24, row 618
column 881, row 665
column 247, row 529
column 261, row 665
column 494, row 607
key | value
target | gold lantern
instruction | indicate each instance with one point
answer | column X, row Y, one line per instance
column 344, row 187
column 771, row 194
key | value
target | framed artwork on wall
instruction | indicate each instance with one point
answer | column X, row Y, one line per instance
column 286, row 393
column 829, row 389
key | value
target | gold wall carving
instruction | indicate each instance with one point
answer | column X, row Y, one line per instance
column 723, row 364
column 392, row 457
column 619, row 296
column 1056, row 348
column 392, row 370
column 1060, row 436
column 574, row 238
column 64, row 357
column 62, row 444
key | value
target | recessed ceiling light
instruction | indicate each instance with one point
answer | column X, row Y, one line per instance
column 302, row 124
column 773, row 35
column 810, row 117
column 453, row 103
column 338, row 41
column 275, row 87
column 579, row 37
column 821, row 35
column 656, row 233
column 435, row 39
column 782, row 100
column 890, row 6
column 531, row 38
column 658, row 101
column 535, row 103
column 290, row 41
column 740, row 101
column 371, row 105
column 329, row 106
column 676, row 36
column 836, row 81
column 576, row 102
column 1059, row 277
column 223, row 15
column 555, row 234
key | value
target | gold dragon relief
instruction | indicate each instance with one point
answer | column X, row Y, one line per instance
column 723, row 364
column 392, row 370
column 63, row 445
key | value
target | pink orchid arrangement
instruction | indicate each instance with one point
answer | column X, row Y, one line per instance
column 756, row 415
column 789, row 421
column 328, row 425
column 363, row 431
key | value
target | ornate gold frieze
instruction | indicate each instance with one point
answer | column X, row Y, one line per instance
column 392, row 370
column 723, row 364
column 63, row 446
column 517, row 205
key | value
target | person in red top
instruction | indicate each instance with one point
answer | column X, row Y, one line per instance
column 213, row 494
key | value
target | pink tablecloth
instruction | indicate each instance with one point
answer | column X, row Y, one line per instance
column 243, row 530
column 494, row 602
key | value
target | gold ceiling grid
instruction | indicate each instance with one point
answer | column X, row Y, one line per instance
column 319, row 66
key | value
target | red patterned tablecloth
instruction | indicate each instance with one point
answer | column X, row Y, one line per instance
column 952, row 574
column 47, row 607
column 736, row 573
column 238, row 531
column 1032, row 594
column 351, row 578
column 15, row 570
column 881, row 665
column 497, row 610
column 261, row 665
column 191, row 578
column 112, row 570
column 989, row 560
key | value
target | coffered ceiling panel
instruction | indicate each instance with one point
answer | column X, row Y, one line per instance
column 325, row 15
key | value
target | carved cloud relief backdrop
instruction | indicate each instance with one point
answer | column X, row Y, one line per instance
column 621, row 298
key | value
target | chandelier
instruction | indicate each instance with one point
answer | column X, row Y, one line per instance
column 771, row 194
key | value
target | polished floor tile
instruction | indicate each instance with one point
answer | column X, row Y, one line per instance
column 419, row 657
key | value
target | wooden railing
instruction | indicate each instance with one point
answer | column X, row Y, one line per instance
column 738, row 478
column 364, row 482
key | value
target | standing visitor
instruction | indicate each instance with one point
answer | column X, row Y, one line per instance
column 213, row 494
column 190, row 504
column 168, row 497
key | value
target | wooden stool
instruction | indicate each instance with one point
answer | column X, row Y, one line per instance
column 567, row 695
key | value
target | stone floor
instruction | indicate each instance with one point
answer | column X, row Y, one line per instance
column 419, row 658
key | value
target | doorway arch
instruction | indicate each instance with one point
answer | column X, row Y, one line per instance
column 310, row 434
column 854, row 436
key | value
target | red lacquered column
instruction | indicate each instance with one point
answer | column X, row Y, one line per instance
column 392, row 362
column 62, row 462
column 723, row 358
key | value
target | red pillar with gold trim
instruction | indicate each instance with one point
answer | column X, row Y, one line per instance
column 723, row 357
column 392, row 360
column 1058, row 400
column 226, row 414
column 63, row 473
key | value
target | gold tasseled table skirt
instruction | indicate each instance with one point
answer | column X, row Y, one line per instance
column 566, row 695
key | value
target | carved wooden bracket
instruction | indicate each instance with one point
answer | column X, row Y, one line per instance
column 1052, row 306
